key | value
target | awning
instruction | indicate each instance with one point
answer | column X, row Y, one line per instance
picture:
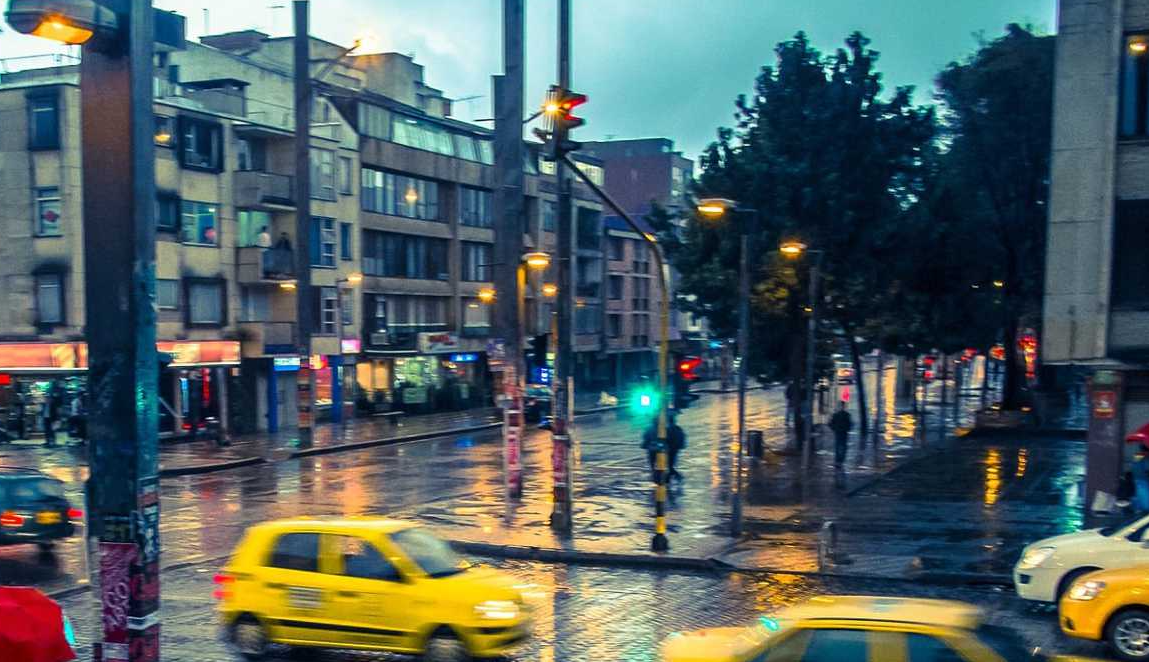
column 73, row 356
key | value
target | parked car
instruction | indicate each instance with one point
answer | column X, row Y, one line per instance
column 536, row 403
column 1047, row 568
column 1110, row 606
column 368, row 583
column 857, row 629
column 33, row 509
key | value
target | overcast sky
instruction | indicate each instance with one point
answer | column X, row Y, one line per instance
column 650, row 67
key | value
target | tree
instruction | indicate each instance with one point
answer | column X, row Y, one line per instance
column 825, row 158
column 997, row 124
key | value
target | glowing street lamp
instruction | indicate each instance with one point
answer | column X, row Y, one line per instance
column 486, row 294
column 412, row 196
column 550, row 290
column 795, row 249
column 792, row 248
column 66, row 21
column 537, row 260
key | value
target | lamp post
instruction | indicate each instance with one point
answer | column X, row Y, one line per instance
column 795, row 250
column 352, row 279
column 714, row 209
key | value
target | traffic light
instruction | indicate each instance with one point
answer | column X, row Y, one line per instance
column 560, row 122
column 687, row 368
column 536, row 358
column 644, row 400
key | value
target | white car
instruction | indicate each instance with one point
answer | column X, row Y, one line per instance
column 1048, row 567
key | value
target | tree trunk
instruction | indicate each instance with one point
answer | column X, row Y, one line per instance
column 1014, row 371
column 863, row 412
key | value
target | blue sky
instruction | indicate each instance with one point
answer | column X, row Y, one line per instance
column 650, row 67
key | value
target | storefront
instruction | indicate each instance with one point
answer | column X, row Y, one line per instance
column 436, row 377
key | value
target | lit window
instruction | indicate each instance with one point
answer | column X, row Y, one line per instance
column 198, row 223
column 48, row 212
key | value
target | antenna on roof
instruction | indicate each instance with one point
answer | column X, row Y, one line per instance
column 206, row 22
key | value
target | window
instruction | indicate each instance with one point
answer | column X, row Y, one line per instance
column 296, row 551
column 588, row 319
column 397, row 195
column 250, row 154
column 594, row 172
column 376, row 307
column 476, row 317
column 255, row 305
column 322, row 174
column 362, row 559
column 197, row 223
column 486, row 151
column 465, row 147
column 616, row 248
column 165, row 131
column 347, row 306
column 44, row 122
column 397, row 255
column 589, row 233
column 432, row 555
column 421, row 135
column 641, row 290
column 50, row 299
column 345, row 241
column 1130, row 236
column 1134, row 120
column 924, row 648
column 550, row 212
column 251, row 223
column 167, row 294
column 202, row 144
column 476, row 261
column 205, row 303
column 476, row 208
column 346, row 174
column 326, row 309
column 167, row 212
column 588, row 277
column 417, row 313
column 836, row 646
column 374, row 121
column 616, row 284
column 322, row 242
column 614, row 325
column 48, row 212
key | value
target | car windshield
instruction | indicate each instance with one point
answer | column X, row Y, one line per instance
column 434, row 556
column 1121, row 525
column 1006, row 643
column 32, row 488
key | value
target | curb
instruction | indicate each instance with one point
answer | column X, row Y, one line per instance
column 606, row 559
column 1063, row 433
column 321, row 450
column 84, row 585
column 596, row 410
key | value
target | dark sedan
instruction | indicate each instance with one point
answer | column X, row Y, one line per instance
column 33, row 509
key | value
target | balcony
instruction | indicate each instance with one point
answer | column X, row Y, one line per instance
column 255, row 189
column 263, row 338
column 265, row 265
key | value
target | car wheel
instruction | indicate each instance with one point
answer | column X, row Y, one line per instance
column 445, row 646
column 46, row 547
column 249, row 638
column 1067, row 582
column 1128, row 634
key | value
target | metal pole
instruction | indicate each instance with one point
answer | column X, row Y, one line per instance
column 303, row 294
column 660, row 542
column 337, row 366
column 117, row 127
column 743, row 340
column 811, row 338
column 564, row 356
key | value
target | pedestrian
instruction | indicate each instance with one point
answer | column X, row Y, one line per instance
column 1140, row 471
column 48, row 414
column 791, row 394
column 676, row 441
column 652, row 444
column 263, row 239
column 841, row 423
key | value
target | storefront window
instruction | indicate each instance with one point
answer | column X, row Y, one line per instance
column 416, row 378
column 323, row 386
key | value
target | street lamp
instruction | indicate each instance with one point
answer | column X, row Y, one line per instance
column 550, row 290
column 796, row 249
column 715, row 209
column 486, row 294
column 66, row 21
column 353, row 279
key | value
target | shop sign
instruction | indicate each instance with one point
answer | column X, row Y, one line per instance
column 285, row 363
column 350, row 345
column 464, row 358
column 198, row 353
column 1104, row 404
column 433, row 343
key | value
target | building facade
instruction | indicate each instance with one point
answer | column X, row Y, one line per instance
column 1096, row 309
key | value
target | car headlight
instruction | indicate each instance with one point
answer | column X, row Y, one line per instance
column 497, row 610
column 1035, row 557
column 1086, row 590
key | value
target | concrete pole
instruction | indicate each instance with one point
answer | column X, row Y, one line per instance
column 303, row 295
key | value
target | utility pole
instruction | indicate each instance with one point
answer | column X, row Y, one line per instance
column 508, row 211
column 117, row 136
column 564, row 356
column 303, row 295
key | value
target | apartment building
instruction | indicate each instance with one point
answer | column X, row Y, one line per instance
column 1096, row 309
column 401, row 194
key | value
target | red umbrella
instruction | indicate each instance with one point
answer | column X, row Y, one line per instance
column 31, row 627
column 1141, row 436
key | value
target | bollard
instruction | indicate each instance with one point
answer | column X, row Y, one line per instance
column 827, row 544
column 757, row 447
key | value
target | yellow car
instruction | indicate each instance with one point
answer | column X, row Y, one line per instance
column 366, row 584
column 1110, row 605
column 858, row 629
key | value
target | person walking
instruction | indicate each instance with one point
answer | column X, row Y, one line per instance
column 1140, row 470
column 791, row 396
column 676, row 441
column 49, row 412
column 840, row 424
column 652, row 444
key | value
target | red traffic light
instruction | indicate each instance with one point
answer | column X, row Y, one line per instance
column 687, row 366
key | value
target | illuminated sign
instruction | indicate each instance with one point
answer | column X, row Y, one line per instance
column 286, row 363
column 46, row 357
column 432, row 343
column 464, row 358
column 351, row 345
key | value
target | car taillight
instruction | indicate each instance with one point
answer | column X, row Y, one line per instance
column 75, row 514
column 223, row 583
column 9, row 518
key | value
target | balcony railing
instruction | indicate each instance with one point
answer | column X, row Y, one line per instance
column 261, row 338
column 257, row 189
column 258, row 265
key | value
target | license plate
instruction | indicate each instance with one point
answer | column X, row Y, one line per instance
column 48, row 517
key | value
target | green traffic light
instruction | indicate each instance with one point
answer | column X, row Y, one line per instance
column 644, row 401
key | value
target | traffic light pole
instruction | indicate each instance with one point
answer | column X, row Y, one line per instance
column 303, row 304
column 117, row 137
column 562, row 506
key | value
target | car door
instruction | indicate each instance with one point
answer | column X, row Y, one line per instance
column 298, row 595
column 373, row 601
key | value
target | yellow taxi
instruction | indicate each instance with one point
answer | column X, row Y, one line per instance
column 370, row 584
column 858, row 629
column 1110, row 605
